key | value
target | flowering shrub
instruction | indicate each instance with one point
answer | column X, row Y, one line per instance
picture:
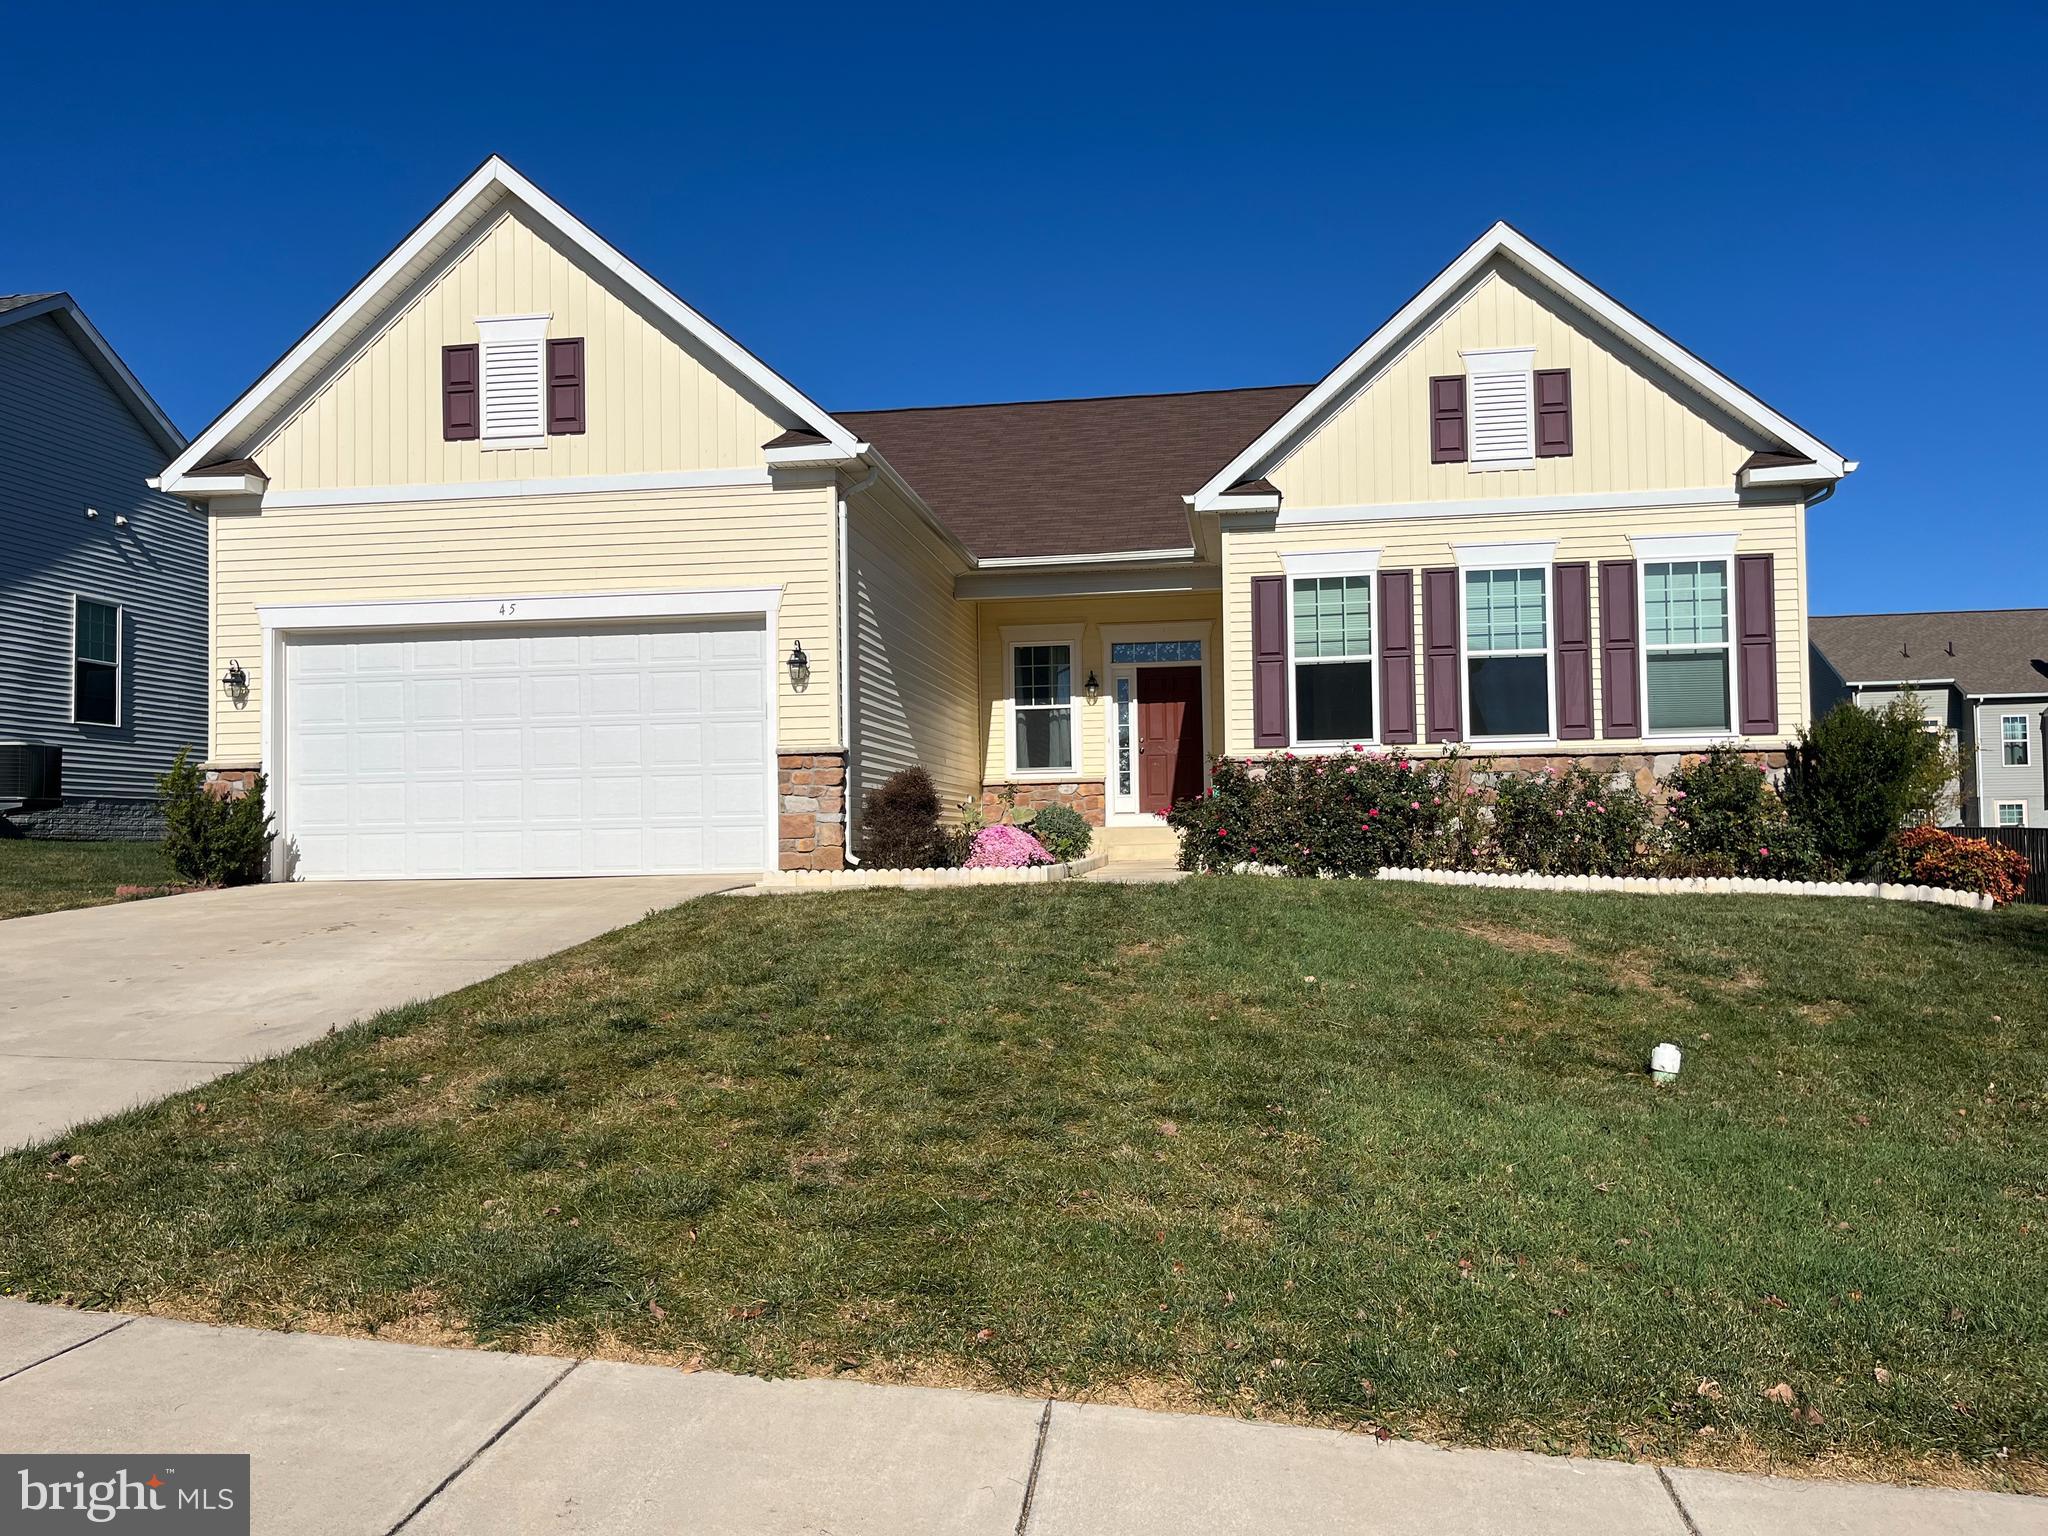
column 1006, row 847
column 1569, row 823
column 1345, row 813
column 1934, row 857
column 1063, row 831
column 1723, row 818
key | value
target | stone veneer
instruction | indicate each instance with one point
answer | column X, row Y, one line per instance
column 231, row 783
column 1641, row 769
column 1087, row 796
column 88, row 818
column 811, row 800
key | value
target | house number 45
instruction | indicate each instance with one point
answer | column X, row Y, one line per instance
column 505, row 608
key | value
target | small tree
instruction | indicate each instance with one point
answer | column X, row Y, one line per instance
column 1858, row 777
column 212, row 839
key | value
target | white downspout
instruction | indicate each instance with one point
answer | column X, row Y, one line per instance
column 850, row 796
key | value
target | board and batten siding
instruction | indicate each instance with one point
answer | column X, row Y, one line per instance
column 69, row 441
column 651, row 402
column 915, row 685
column 640, row 541
column 1777, row 529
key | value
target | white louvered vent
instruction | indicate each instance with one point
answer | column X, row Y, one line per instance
column 1503, row 405
column 512, row 358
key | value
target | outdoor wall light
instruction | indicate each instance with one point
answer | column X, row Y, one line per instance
column 799, row 667
column 235, row 681
column 1092, row 688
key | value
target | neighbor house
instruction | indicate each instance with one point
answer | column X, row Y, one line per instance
column 1980, row 676
column 530, row 569
column 102, row 584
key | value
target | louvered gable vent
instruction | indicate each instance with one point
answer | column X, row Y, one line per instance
column 1503, row 418
column 514, row 377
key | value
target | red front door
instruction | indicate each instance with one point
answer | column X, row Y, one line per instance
column 1169, row 736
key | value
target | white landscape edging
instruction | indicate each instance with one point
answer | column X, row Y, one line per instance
column 1713, row 885
column 784, row 880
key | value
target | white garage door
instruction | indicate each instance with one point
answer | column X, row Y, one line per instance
column 546, row 750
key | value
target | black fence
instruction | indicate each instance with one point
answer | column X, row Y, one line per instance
column 2033, row 842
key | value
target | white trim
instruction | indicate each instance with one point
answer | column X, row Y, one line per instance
column 492, row 328
column 1468, row 736
column 488, row 490
column 1504, row 557
column 72, row 321
column 2043, row 697
column 120, row 642
column 1115, row 557
column 1684, row 546
column 1502, row 240
column 1622, row 501
column 970, row 585
column 1727, row 644
column 1788, row 474
column 2026, row 740
column 1480, row 360
column 1332, row 562
column 1366, row 563
column 1200, row 630
column 803, row 454
column 493, row 181
column 1013, row 636
column 221, row 485
column 1999, row 805
column 1264, row 501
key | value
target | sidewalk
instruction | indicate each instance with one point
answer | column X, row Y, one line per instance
column 367, row 1438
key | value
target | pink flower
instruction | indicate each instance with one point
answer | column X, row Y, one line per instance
column 1006, row 847
column 1374, row 811
column 1414, row 805
column 1765, row 852
column 1678, row 794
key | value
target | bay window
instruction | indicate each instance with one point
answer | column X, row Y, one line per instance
column 1042, row 708
column 1687, row 666
column 1332, row 659
column 1507, row 652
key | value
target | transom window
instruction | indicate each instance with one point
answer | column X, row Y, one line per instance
column 1128, row 652
column 2012, row 813
column 1333, row 659
column 1042, row 708
column 1686, row 665
column 95, row 663
column 2016, row 738
column 1507, row 652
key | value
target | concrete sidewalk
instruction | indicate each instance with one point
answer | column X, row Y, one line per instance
column 368, row 1438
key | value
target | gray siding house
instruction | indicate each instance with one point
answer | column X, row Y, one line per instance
column 1981, row 675
column 102, row 584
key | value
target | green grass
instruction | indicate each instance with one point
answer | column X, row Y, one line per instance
column 50, row 877
column 1338, row 1152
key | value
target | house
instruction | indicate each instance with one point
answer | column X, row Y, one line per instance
column 530, row 569
column 1980, row 675
column 102, row 589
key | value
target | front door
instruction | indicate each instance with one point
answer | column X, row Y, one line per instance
column 1169, row 736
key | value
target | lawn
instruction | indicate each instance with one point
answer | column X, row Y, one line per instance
column 1333, row 1152
column 49, row 877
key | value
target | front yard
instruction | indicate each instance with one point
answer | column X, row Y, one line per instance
column 1344, row 1153
column 49, row 877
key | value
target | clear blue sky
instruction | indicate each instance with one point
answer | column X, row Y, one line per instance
column 1847, row 212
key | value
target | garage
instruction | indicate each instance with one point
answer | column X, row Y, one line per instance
column 614, row 748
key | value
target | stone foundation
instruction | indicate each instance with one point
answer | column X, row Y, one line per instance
column 88, row 818
column 1087, row 796
column 811, row 800
column 1640, row 769
column 231, row 783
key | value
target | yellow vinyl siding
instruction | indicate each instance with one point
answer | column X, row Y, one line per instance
column 1634, row 427
column 915, row 681
column 650, row 402
column 533, row 547
column 1420, row 543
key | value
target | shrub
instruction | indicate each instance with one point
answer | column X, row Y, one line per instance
column 1724, row 819
column 1930, row 856
column 1006, row 847
column 1858, row 776
column 1064, row 832
column 1340, row 814
column 212, row 839
column 1569, row 823
column 899, row 823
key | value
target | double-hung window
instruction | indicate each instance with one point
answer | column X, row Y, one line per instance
column 2017, row 741
column 1333, row 700
column 1687, row 672
column 2012, row 813
column 1507, row 652
column 95, row 662
column 1042, row 708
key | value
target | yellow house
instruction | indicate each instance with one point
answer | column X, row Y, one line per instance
column 520, row 566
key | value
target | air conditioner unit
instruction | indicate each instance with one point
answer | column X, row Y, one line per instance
column 30, row 773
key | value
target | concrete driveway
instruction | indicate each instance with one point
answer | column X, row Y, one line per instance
column 108, row 1007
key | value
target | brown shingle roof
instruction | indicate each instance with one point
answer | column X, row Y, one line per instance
column 1070, row 477
column 1997, row 650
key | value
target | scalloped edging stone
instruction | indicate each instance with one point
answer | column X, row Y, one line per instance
column 787, row 880
column 1715, row 885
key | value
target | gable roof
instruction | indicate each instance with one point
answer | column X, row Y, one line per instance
column 1041, row 479
column 1984, row 650
column 1503, row 240
column 340, row 332
column 63, row 309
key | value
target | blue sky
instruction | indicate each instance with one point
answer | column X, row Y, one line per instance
column 1844, row 212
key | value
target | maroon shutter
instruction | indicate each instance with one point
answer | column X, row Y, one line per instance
column 1269, row 661
column 460, row 418
column 1447, row 420
column 1757, row 628
column 1553, row 413
column 1397, row 657
column 1620, row 684
column 1573, row 600
column 1442, row 715
column 565, row 386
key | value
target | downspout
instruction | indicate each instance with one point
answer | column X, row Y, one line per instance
column 848, row 797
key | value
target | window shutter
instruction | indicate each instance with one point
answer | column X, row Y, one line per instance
column 1447, row 420
column 1757, row 629
column 1573, row 600
column 1620, row 683
column 1553, row 413
column 1441, row 714
column 1397, row 657
column 460, row 417
column 1269, row 661
column 565, row 386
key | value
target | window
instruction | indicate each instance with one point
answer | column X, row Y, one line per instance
column 1686, row 668
column 1124, row 744
column 2018, row 749
column 1042, row 708
column 1507, row 652
column 1125, row 652
column 1333, row 659
column 1500, row 384
column 514, row 383
column 2012, row 813
column 95, row 663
